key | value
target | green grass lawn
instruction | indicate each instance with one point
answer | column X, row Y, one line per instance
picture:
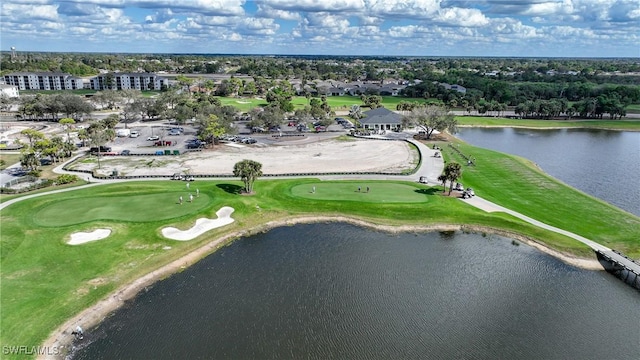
column 629, row 125
column 9, row 159
column 44, row 281
column 299, row 102
column 633, row 108
column 379, row 192
column 125, row 208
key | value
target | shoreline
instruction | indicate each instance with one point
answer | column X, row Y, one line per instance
column 545, row 127
column 62, row 339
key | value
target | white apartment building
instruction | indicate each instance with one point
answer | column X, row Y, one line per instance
column 124, row 81
column 43, row 81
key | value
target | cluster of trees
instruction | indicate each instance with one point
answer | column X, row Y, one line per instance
column 587, row 108
column 39, row 146
column 49, row 107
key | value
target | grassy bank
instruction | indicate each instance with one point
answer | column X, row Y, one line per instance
column 478, row 121
column 517, row 184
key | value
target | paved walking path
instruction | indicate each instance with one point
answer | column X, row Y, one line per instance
column 488, row 206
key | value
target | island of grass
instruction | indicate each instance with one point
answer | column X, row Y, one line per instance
column 45, row 282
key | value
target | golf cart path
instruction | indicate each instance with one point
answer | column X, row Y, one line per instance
column 488, row 206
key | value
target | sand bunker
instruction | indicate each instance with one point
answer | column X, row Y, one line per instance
column 202, row 226
column 83, row 237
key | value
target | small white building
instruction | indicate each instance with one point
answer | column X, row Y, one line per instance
column 11, row 91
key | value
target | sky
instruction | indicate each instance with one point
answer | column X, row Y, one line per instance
column 515, row 28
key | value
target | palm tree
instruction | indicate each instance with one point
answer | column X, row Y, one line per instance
column 452, row 172
column 443, row 179
column 248, row 171
column 67, row 124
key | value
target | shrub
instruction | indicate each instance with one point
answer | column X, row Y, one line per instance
column 66, row 179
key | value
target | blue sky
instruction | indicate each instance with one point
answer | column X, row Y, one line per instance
column 522, row 28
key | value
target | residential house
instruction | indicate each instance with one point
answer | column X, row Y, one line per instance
column 454, row 87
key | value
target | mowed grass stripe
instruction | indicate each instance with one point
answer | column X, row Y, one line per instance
column 379, row 192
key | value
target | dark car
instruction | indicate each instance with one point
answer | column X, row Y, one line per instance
column 101, row 149
column 45, row 161
column 125, row 152
column 195, row 144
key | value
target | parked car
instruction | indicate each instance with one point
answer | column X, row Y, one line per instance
column 174, row 132
column 102, row 149
column 134, row 134
column 153, row 138
column 125, row 152
column 195, row 144
column 177, row 176
column 249, row 141
column 45, row 161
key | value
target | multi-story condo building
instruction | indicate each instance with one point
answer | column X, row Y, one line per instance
column 124, row 81
column 43, row 81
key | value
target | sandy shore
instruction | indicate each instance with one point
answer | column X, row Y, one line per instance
column 62, row 338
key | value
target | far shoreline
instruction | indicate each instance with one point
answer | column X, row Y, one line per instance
column 62, row 339
column 505, row 126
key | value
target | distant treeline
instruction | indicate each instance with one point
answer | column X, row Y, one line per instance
column 589, row 87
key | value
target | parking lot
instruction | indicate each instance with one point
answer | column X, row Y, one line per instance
column 152, row 138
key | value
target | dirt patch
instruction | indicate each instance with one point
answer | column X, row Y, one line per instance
column 323, row 156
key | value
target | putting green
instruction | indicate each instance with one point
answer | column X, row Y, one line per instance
column 134, row 208
column 379, row 192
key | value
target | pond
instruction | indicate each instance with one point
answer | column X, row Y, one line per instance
column 319, row 291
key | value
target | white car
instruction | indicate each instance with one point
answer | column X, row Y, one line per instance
column 134, row 134
column 153, row 138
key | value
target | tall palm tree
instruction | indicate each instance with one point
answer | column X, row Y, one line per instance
column 452, row 172
column 248, row 171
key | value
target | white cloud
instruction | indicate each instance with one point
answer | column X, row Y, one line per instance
column 21, row 12
column 524, row 27
column 462, row 17
column 315, row 5
column 402, row 8
column 268, row 12
column 549, row 8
